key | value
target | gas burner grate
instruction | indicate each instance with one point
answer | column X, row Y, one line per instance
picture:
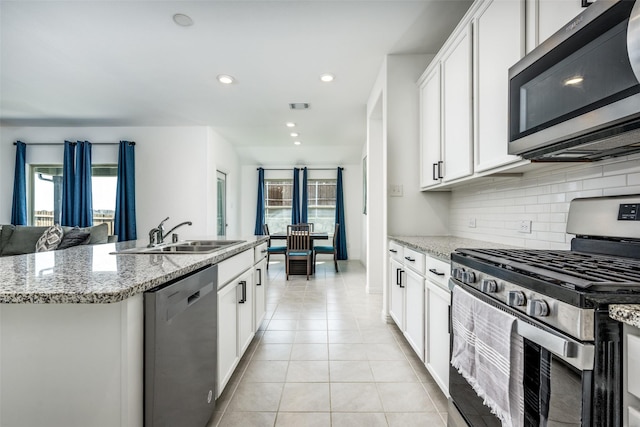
column 566, row 268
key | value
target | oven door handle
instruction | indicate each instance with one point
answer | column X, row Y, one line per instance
column 545, row 339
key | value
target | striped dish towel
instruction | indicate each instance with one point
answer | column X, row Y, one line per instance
column 488, row 353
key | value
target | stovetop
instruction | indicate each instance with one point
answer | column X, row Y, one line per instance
column 569, row 269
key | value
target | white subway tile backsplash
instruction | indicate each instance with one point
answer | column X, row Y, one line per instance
column 633, row 179
column 543, row 197
column 585, row 172
column 606, row 182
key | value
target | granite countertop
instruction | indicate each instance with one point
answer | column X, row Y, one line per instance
column 441, row 246
column 91, row 274
column 626, row 313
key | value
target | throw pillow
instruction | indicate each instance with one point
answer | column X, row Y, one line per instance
column 23, row 240
column 50, row 239
column 74, row 237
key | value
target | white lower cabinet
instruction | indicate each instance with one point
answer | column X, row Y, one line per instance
column 414, row 312
column 396, row 293
column 241, row 306
column 419, row 301
column 437, row 302
column 245, row 311
column 260, row 292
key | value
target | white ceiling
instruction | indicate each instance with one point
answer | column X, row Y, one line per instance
column 126, row 63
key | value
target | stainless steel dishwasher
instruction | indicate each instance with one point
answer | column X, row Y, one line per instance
column 180, row 336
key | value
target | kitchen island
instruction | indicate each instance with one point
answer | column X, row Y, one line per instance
column 71, row 331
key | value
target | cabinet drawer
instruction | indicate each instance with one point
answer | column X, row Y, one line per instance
column 438, row 271
column 234, row 266
column 396, row 251
column 414, row 260
column 259, row 252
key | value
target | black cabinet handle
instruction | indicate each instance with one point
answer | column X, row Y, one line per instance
column 436, row 272
column 243, row 283
column 440, row 163
column 393, row 250
column 259, row 277
column 400, row 284
column 398, row 276
column 433, row 171
column 408, row 258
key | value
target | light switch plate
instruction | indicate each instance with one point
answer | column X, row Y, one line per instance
column 395, row 190
column 472, row 223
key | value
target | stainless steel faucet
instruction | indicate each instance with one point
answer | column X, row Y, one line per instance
column 157, row 234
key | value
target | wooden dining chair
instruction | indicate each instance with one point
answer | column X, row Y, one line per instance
column 298, row 246
column 275, row 250
column 328, row 249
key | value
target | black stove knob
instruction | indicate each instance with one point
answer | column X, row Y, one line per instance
column 488, row 286
column 537, row 307
column 516, row 299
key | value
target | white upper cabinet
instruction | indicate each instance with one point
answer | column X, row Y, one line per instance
column 499, row 43
column 430, row 127
column 545, row 17
column 456, row 107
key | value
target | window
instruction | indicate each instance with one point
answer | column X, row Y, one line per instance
column 277, row 205
column 46, row 194
column 321, row 207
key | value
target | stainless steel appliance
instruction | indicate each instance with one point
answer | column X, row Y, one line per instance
column 576, row 97
column 572, row 348
column 180, row 338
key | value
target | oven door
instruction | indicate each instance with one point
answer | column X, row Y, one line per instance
column 557, row 378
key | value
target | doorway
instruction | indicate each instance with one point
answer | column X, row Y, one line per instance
column 222, row 204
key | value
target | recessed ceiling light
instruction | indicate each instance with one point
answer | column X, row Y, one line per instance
column 225, row 79
column 294, row 134
column 297, row 142
column 291, row 125
column 327, row 77
column 182, row 20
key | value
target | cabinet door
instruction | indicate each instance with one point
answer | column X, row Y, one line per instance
column 414, row 313
column 228, row 355
column 456, row 107
column 260, row 291
column 497, row 47
column 244, row 286
column 430, row 126
column 396, row 293
column 437, row 302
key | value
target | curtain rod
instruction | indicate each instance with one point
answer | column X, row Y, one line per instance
column 311, row 169
column 73, row 143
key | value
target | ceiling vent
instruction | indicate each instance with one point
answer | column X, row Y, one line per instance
column 299, row 106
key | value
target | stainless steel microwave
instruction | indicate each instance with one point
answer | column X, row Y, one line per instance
column 576, row 97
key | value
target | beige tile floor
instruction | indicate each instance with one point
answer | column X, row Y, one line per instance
column 324, row 357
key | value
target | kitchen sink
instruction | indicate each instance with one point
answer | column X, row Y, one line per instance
column 186, row 247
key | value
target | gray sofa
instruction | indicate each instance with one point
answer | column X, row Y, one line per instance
column 21, row 239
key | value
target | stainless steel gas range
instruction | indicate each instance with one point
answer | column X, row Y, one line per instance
column 572, row 349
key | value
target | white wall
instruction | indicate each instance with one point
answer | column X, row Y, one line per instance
column 542, row 197
column 223, row 157
column 175, row 170
column 414, row 212
column 376, row 183
column 352, row 197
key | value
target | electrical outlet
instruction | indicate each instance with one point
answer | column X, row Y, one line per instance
column 525, row 226
column 395, row 190
column 472, row 223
